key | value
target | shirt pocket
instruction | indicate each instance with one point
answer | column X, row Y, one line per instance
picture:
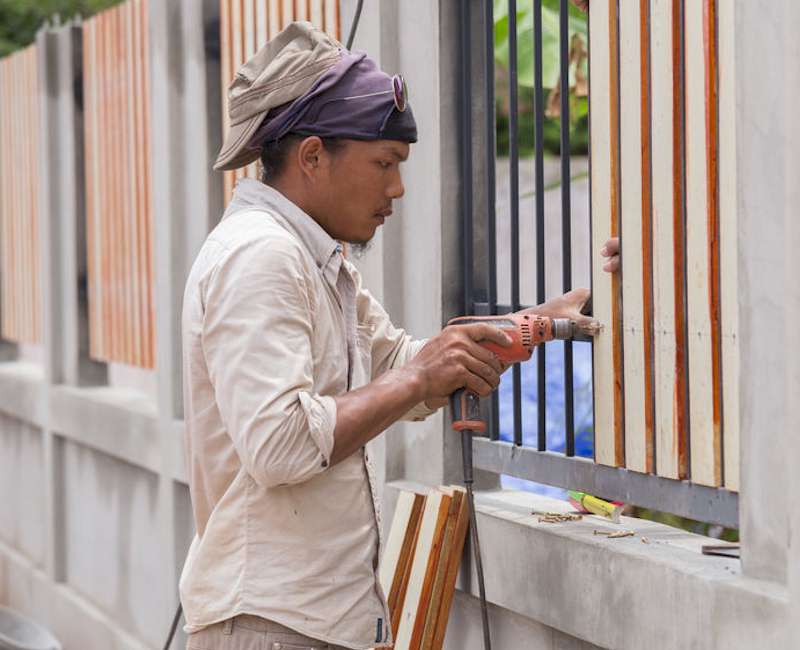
column 362, row 374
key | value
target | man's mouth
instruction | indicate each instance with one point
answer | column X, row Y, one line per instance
column 384, row 213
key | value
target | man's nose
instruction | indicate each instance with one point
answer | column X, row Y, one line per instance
column 396, row 188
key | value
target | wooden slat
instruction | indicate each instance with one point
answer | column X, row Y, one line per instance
column 449, row 563
column 728, row 224
column 669, row 339
column 20, row 298
column 423, row 571
column 604, row 114
column 635, row 233
column 398, row 552
column 118, row 219
column 702, row 239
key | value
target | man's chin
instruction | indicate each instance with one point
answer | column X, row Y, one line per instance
column 359, row 248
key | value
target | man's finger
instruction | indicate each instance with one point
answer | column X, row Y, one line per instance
column 486, row 356
column 486, row 332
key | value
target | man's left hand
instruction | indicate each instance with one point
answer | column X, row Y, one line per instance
column 570, row 305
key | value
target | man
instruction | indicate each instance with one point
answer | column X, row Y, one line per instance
column 291, row 367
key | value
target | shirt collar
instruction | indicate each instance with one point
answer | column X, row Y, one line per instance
column 326, row 251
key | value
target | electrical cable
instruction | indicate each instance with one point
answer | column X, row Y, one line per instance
column 354, row 27
column 466, row 453
column 174, row 627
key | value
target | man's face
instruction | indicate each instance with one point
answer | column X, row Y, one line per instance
column 356, row 186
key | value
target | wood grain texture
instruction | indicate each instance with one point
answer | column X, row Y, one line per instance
column 702, row 252
column 398, row 552
column 447, row 549
column 20, row 293
column 667, row 193
column 118, row 212
column 728, row 262
column 423, row 571
column 607, row 347
column 635, row 233
column 453, row 562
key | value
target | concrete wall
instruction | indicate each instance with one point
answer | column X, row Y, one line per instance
column 95, row 515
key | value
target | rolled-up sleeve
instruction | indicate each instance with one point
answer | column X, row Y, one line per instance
column 257, row 328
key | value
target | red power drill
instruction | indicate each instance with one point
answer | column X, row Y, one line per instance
column 526, row 331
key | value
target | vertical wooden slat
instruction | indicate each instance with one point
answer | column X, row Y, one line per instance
column 635, row 232
column 148, row 215
column 608, row 403
column 702, row 253
column 728, row 224
column 34, row 192
column 667, row 192
column 20, row 292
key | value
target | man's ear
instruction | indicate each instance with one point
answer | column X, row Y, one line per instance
column 310, row 154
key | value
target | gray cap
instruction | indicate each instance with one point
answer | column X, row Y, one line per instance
column 281, row 71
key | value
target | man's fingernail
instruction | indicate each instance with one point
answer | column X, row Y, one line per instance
column 604, row 252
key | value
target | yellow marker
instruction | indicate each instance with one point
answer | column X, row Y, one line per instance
column 596, row 505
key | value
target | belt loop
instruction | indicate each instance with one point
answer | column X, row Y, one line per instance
column 227, row 628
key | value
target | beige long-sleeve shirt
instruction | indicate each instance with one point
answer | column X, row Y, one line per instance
column 276, row 323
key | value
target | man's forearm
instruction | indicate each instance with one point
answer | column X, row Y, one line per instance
column 363, row 413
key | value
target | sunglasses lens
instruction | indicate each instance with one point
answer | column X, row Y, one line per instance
column 400, row 92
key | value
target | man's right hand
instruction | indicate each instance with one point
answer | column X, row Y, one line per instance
column 455, row 359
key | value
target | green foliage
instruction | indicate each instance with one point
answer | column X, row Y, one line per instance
column 21, row 19
column 550, row 39
column 579, row 124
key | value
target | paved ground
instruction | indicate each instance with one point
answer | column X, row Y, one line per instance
column 579, row 196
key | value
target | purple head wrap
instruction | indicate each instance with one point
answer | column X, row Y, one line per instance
column 354, row 99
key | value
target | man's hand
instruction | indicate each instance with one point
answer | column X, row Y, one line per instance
column 583, row 5
column 571, row 305
column 611, row 251
column 455, row 359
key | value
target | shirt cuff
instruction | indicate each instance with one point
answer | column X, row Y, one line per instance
column 321, row 415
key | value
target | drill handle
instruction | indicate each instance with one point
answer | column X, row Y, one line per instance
column 466, row 410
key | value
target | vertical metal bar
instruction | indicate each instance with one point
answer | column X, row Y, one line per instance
column 491, row 230
column 513, row 154
column 466, row 152
column 566, row 221
column 538, row 108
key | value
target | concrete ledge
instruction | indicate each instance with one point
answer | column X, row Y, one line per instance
column 76, row 622
column 616, row 593
column 120, row 423
column 23, row 391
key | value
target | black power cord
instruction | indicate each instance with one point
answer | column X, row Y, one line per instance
column 354, row 27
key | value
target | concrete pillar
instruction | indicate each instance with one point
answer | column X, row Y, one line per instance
column 186, row 201
column 767, row 279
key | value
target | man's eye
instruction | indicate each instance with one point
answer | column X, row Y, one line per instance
column 384, row 164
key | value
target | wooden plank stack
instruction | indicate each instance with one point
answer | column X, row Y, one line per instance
column 420, row 565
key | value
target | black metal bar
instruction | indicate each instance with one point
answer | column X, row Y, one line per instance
column 566, row 221
column 682, row 498
column 466, row 152
column 513, row 156
column 491, row 154
column 538, row 131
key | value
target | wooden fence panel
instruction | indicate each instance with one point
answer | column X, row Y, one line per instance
column 608, row 408
column 728, row 226
column 20, row 291
column 702, row 244
column 118, row 212
column 636, row 232
column 245, row 27
column 677, row 158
